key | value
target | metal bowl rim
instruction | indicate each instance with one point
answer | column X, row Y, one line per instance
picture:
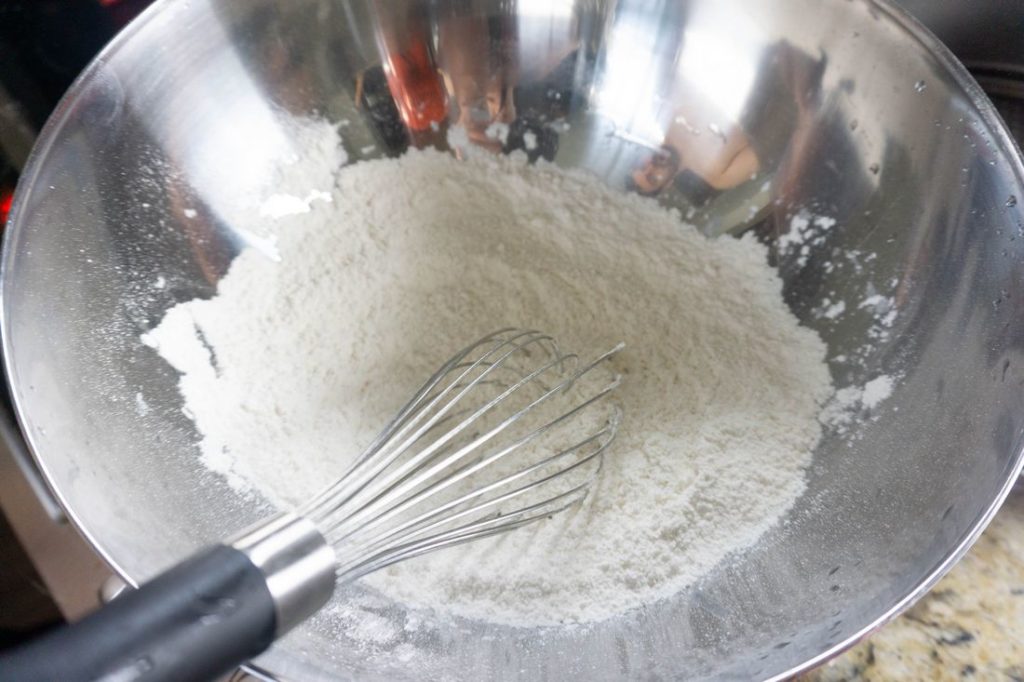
column 901, row 18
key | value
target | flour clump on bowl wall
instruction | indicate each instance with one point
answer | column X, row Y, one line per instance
column 293, row 367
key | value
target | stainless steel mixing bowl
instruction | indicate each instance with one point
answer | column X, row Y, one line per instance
column 742, row 113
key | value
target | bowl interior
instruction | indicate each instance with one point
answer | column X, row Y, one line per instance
column 864, row 132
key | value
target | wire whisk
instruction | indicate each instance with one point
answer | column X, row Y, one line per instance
column 508, row 431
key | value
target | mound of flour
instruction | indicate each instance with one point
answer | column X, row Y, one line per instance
column 295, row 364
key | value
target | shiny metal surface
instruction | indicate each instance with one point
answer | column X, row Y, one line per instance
column 111, row 588
column 985, row 36
column 297, row 562
column 847, row 109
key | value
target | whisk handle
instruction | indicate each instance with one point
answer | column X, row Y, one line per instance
column 196, row 621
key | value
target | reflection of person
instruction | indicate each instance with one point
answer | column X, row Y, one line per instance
column 696, row 168
column 657, row 171
column 473, row 81
column 505, row 94
column 479, row 62
column 703, row 153
column 782, row 124
column 696, row 143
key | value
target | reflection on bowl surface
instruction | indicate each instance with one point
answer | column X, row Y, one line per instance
column 837, row 132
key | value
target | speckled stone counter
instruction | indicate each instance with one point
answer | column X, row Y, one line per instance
column 970, row 626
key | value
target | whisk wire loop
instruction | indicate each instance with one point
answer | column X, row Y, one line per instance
column 388, row 446
column 507, row 432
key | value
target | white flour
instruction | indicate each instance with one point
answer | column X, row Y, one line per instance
column 406, row 261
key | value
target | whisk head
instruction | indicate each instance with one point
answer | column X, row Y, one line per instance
column 509, row 431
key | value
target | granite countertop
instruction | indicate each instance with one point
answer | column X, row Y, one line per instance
column 970, row 626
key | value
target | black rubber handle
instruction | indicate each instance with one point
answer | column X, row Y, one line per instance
column 196, row 621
